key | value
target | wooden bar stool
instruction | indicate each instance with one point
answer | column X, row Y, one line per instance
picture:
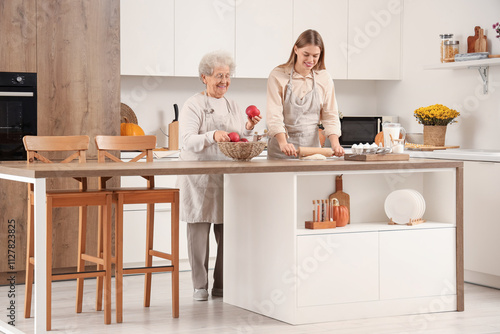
column 148, row 195
column 81, row 198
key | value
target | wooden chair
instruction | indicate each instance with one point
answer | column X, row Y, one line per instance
column 148, row 195
column 81, row 198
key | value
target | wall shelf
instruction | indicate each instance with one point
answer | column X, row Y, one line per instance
column 481, row 65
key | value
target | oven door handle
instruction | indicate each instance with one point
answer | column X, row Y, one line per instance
column 17, row 94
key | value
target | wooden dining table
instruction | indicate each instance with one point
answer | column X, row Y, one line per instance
column 37, row 174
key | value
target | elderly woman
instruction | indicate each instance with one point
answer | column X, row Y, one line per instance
column 205, row 119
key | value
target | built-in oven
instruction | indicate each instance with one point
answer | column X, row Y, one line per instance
column 362, row 129
column 18, row 113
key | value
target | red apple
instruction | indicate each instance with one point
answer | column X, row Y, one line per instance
column 243, row 140
column 252, row 111
column 234, row 137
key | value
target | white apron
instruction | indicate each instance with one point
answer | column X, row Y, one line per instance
column 201, row 196
column 301, row 118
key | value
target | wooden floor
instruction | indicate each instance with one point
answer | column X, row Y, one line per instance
column 482, row 314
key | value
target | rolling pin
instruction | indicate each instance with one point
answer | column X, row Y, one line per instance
column 307, row 151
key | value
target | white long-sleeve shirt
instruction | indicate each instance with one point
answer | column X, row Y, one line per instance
column 276, row 88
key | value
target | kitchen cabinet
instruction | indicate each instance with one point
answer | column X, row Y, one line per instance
column 330, row 19
column 168, row 37
column 263, row 36
column 331, row 278
column 365, row 269
column 147, row 37
column 481, row 227
column 201, row 27
column 374, row 42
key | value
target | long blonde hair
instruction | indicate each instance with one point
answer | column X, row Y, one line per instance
column 308, row 37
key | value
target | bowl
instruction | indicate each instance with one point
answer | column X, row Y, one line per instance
column 241, row 151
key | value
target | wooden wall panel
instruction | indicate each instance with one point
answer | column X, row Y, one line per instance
column 78, row 62
column 17, row 36
column 78, row 66
column 17, row 54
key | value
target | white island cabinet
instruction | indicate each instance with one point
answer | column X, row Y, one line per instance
column 276, row 267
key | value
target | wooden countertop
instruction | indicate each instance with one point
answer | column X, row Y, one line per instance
column 94, row 169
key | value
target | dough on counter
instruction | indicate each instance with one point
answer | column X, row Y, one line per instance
column 314, row 157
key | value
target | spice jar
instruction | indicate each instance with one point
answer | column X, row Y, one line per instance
column 450, row 50
column 444, row 38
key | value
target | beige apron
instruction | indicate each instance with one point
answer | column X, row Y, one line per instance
column 201, row 196
column 301, row 118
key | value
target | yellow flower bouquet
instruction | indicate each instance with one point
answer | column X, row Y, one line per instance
column 436, row 114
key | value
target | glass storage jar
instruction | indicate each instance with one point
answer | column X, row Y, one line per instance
column 450, row 50
column 444, row 38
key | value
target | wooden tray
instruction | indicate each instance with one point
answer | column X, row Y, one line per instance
column 377, row 157
column 320, row 225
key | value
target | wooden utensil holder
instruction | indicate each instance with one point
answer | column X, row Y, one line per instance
column 321, row 225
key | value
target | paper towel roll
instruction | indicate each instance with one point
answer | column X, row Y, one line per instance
column 307, row 151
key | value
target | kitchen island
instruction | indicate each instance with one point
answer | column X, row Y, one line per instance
column 272, row 263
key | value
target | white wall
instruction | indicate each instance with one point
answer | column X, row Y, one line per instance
column 423, row 21
column 152, row 98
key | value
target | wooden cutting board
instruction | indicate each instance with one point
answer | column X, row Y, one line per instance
column 477, row 43
column 419, row 147
column 481, row 43
column 343, row 198
column 377, row 157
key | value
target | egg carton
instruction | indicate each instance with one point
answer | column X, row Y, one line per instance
column 365, row 149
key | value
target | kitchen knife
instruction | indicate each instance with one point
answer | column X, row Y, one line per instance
column 173, row 131
column 176, row 112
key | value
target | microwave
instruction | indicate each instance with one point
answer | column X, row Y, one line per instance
column 362, row 129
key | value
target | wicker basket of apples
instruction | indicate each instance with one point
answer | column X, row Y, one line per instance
column 240, row 149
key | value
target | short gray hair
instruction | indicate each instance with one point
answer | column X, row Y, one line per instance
column 215, row 59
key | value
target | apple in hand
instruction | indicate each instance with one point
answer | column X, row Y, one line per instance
column 252, row 111
column 243, row 140
column 234, row 137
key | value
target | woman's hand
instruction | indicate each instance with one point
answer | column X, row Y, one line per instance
column 337, row 149
column 221, row 136
column 252, row 122
column 285, row 147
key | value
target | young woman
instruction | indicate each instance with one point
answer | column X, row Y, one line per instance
column 300, row 95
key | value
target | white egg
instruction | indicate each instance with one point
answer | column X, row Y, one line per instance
column 354, row 146
column 373, row 145
column 366, row 145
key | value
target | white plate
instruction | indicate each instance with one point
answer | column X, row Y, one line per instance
column 421, row 203
column 402, row 205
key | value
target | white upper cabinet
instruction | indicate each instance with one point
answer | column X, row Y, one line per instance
column 263, row 36
column 168, row 37
column 374, row 39
column 147, row 37
column 202, row 27
column 329, row 18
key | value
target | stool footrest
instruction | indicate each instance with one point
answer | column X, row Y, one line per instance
column 93, row 259
column 74, row 275
column 144, row 270
column 162, row 255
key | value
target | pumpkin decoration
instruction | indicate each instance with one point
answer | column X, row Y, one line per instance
column 130, row 129
column 340, row 213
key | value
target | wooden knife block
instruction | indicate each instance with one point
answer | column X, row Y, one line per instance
column 173, row 136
